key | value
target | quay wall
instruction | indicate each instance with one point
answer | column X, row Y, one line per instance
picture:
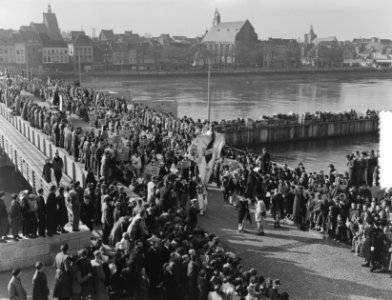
column 238, row 135
column 44, row 144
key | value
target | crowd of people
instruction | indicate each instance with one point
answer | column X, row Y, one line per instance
column 157, row 247
column 305, row 118
column 161, row 226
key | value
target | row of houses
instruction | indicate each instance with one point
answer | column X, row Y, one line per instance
column 43, row 46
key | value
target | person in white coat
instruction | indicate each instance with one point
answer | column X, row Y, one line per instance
column 260, row 214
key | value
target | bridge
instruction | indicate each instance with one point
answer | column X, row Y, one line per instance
column 28, row 149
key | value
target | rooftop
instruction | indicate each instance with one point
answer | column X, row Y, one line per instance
column 224, row 32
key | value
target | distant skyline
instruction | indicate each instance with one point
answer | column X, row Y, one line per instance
column 345, row 19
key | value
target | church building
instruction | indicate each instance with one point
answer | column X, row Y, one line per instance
column 230, row 42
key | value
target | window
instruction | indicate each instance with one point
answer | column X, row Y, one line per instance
column 48, row 60
column 65, row 51
column 5, row 51
column 17, row 52
column 52, row 51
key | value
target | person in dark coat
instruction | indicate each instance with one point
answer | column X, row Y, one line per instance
column 85, row 268
column 169, row 282
column 265, row 160
column 243, row 213
column 57, row 165
column 40, row 283
column 25, row 213
column 51, row 212
column 192, row 214
column 277, row 207
column 63, row 280
column 47, row 171
column 192, row 272
column 62, row 210
column 87, row 213
column 202, row 285
column 16, row 217
column 15, row 287
column 41, row 213
column 4, row 225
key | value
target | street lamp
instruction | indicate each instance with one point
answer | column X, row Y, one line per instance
column 208, row 90
column 208, row 82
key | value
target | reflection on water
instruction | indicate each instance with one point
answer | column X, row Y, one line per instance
column 254, row 96
column 317, row 155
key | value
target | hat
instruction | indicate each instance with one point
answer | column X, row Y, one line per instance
column 15, row 272
column 14, row 196
column 153, row 239
column 276, row 282
column 38, row 265
column 194, row 200
column 2, row 193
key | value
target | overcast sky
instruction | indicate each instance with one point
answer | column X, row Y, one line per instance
column 345, row 19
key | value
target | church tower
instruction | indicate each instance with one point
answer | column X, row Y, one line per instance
column 312, row 35
column 217, row 19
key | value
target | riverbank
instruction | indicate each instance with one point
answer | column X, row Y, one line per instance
column 214, row 72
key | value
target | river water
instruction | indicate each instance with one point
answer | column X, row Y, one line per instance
column 254, row 96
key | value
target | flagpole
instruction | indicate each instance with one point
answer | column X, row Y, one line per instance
column 208, row 90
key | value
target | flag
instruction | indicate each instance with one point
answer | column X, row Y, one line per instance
column 205, row 149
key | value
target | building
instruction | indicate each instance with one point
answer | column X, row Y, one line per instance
column 54, row 52
column 107, row 35
column 326, row 53
column 7, row 51
column 281, row 53
column 231, row 42
column 80, row 49
column 28, row 49
column 52, row 27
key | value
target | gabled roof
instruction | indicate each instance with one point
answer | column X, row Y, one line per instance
column 51, row 43
column 224, row 32
column 108, row 34
column 83, row 39
column 74, row 34
column 39, row 27
column 329, row 39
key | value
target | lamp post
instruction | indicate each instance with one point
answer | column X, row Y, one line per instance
column 208, row 81
column 208, row 90
column 80, row 73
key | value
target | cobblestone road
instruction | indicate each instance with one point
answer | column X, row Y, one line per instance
column 308, row 266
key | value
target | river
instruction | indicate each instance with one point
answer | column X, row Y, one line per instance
column 253, row 96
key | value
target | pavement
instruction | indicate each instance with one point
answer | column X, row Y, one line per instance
column 308, row 265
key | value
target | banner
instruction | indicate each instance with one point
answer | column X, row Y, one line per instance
column 204, row 150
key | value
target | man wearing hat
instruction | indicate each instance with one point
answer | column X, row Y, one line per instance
column 4, row 225
column 16, row 217
column 15, row 288
column 57, row 165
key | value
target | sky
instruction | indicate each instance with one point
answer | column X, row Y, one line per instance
column 345, row 19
